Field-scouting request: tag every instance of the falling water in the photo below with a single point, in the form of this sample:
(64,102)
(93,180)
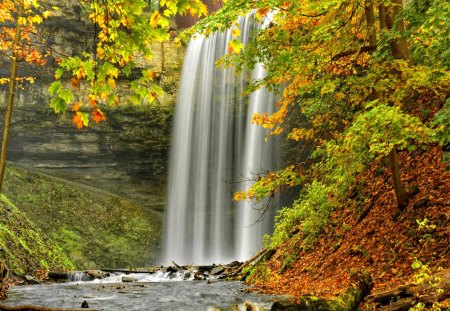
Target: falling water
(214,144)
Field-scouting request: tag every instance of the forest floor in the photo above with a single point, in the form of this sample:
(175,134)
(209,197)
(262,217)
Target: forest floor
(371,234)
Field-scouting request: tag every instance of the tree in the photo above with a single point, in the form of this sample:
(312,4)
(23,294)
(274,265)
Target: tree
(124,32)
(17,41)
(350,85)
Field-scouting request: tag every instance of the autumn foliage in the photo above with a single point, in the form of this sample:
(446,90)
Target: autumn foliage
(124,34)
(364,105)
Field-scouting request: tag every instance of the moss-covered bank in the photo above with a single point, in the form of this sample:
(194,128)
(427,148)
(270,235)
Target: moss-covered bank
(23,246)
(94,228)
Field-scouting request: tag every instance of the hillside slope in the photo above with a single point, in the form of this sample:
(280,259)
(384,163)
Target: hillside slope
(24,248)
(94,228)
(369,233)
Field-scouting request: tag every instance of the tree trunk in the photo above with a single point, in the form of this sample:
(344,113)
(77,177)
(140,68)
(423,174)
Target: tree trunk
(370,20)
(9,105)
(399,47)
(400,50)
(402,200)
(382,13)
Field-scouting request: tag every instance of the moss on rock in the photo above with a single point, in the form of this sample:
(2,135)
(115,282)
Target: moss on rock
(94,228)
(23,246)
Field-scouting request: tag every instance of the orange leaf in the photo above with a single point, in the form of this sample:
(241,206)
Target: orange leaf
(77,106)
(98,116)
(262,12)
(76,119)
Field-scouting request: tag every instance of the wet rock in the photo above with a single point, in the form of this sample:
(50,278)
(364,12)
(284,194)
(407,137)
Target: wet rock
(248,306)
(84,304)
(97,274)
(172,269)
(199,276)
(58,276)
(217,270)
(187,275)
(127,279)
(31,280)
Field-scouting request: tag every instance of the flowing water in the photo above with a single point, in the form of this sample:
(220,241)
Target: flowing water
(158,291)
(214,145)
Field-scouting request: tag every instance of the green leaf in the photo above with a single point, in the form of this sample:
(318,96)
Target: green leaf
(58,104)
(58,73)
(54,88)
(66,95)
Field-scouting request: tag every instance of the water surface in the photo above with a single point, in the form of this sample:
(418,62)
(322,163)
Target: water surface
(146,294)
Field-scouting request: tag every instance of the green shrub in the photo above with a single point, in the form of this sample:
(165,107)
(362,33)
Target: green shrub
(309,214)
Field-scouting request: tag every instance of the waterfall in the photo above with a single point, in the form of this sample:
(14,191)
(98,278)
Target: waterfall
(214,145)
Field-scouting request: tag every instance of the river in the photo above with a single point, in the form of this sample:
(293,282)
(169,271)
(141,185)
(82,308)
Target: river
(148,292)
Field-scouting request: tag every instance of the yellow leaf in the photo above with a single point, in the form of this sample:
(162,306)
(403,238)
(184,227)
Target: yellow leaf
(112,83)
(235,46)
(262,12)
(154,19)
(236,32)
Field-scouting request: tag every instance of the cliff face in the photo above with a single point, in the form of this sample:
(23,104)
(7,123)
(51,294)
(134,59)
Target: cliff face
(126,155)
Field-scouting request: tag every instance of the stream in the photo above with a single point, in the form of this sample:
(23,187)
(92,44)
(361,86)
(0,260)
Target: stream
(147,292)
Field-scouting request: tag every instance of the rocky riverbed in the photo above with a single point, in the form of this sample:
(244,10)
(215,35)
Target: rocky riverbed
(161,290)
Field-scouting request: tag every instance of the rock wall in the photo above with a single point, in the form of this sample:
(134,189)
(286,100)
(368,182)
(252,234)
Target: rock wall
(126,155)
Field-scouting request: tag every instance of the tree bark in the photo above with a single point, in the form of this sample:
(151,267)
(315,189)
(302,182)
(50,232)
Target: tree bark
(9,105)
(400,50)
(382,14)
(399,47)
(370,20)
(402,200)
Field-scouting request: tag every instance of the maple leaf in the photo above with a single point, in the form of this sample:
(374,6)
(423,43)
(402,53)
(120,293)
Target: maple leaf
(262,12)
(77,106)
(154,19)
(235,32)
(75,83)
(98,116)
(235,46)
(77,120)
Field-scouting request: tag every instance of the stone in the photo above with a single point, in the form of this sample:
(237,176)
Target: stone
(58,276)
(31,280)
(97,274)
(199,276)
(217,270)
(84,304)
(127,279)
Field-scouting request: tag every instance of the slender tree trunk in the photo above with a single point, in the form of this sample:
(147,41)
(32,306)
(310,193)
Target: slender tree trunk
(9,105)
(400,50)
(402,200)
(382,15)
(370,20)
(399,47)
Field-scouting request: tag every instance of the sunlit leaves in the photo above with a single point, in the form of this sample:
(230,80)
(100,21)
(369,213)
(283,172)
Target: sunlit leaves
(262,12)
(318,53)
(235,46)
(269,184)
(26,16)
(236,32)
(126,31)
(374,134)
(98,115)
(80,119)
